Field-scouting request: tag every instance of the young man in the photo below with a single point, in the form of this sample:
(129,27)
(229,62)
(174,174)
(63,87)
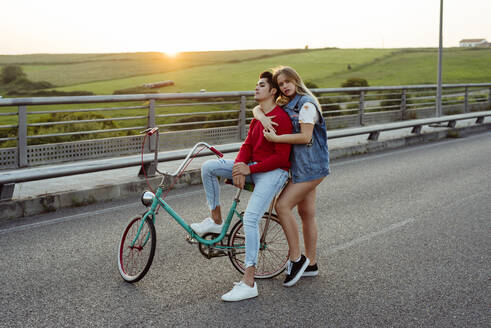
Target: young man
(259,161)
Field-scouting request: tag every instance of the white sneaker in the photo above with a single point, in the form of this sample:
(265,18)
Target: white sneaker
(207,225)
(241,291)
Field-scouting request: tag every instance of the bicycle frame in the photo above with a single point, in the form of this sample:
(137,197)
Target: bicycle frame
(157,200)
(133,263)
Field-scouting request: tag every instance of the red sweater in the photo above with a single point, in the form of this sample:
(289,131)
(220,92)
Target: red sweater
(268,155)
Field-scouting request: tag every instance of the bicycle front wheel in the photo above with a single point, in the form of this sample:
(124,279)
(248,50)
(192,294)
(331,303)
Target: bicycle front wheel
(136,249)
(273,251)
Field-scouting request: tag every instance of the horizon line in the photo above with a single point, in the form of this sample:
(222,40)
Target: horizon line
(225,50)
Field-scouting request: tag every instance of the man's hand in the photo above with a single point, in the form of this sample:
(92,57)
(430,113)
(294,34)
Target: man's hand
(239,181)
(241,168)
(239,172)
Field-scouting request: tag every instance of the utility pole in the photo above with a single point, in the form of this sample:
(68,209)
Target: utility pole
(439,86)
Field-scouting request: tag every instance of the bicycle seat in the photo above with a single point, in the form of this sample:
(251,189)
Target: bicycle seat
(247,186)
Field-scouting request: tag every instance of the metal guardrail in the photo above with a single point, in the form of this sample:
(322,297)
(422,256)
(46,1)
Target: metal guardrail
(185,118)
(9,179)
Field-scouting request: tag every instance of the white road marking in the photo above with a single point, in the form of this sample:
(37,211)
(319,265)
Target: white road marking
(367,237)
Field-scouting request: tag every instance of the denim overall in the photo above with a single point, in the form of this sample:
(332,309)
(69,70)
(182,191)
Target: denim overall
(311,161)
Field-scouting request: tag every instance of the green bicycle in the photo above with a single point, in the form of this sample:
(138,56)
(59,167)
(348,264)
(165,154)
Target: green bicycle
(138,241)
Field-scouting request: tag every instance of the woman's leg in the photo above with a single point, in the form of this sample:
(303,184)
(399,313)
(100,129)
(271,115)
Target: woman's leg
(293,194)
(306,210)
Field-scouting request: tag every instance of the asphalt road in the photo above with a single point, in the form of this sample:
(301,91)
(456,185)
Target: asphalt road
(404,242)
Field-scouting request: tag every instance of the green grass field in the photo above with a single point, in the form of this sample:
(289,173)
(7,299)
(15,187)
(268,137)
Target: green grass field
(420,67)
(238,70)
(72,69)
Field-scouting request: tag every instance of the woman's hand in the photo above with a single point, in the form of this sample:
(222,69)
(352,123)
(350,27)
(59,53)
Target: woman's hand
(266,121)
(270,135)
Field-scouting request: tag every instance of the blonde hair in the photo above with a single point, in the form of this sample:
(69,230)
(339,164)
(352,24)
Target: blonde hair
(300,87)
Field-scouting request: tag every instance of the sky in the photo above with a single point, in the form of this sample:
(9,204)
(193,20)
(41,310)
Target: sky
(102,26)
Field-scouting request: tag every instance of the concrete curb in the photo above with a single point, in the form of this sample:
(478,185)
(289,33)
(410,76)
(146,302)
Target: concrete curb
(51,202)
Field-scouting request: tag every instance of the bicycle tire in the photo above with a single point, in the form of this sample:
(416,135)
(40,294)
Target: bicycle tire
(134,262)
(273,254)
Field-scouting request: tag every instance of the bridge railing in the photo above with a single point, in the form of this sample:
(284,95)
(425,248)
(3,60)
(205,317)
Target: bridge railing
(36,131)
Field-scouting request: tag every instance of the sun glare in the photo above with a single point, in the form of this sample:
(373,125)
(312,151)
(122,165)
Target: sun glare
(171,53)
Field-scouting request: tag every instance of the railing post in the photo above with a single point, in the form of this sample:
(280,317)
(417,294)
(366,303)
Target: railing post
(149,169)
(22,137)
(466,99)
(403,104)
(489,97)
(242,118)
(362,106)
(151,124)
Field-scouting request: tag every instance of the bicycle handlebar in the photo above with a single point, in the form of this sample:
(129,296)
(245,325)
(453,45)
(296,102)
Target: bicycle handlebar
(150,131)
(213,149)
(216,151)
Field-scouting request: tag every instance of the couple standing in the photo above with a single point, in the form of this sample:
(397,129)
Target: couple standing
(292,137)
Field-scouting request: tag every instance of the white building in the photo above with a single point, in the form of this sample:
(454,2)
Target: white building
(474,43)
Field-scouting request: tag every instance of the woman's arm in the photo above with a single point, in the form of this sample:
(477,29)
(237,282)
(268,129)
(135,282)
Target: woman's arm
(266,121)
(304,137)
(308,117)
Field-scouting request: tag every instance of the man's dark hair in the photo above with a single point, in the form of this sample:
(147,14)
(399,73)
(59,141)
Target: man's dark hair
(269,78)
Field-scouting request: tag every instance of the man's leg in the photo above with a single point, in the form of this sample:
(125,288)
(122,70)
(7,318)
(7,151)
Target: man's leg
(267,185)
(210,170)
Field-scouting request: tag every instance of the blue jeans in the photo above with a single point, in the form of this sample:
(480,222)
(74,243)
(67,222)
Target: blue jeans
(267,185)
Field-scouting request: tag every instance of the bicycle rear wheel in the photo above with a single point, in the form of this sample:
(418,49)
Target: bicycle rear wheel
(273,252)
(135,261)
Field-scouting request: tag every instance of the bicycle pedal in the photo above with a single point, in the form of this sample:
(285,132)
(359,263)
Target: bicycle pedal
(191,240)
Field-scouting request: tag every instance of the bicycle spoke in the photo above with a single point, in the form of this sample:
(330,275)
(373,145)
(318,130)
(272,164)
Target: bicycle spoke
(278,234)
(136,250)
(273,251)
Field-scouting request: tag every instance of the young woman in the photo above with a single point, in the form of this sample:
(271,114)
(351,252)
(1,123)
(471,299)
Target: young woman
(309,166)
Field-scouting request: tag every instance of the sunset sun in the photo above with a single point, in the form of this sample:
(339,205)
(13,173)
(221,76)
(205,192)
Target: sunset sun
(170,53)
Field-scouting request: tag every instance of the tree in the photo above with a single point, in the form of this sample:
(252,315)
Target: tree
(311,85)
(355,82)
(11,73)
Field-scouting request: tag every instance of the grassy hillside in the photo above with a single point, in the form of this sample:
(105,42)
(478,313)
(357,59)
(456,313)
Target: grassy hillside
(327,68)
(242,75)
(71,69)
(237,70)
(420,67)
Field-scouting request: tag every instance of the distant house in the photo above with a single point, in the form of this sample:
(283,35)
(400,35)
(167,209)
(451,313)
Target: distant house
(474,43)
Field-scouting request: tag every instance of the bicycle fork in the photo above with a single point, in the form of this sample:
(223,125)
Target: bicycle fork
(140,227)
